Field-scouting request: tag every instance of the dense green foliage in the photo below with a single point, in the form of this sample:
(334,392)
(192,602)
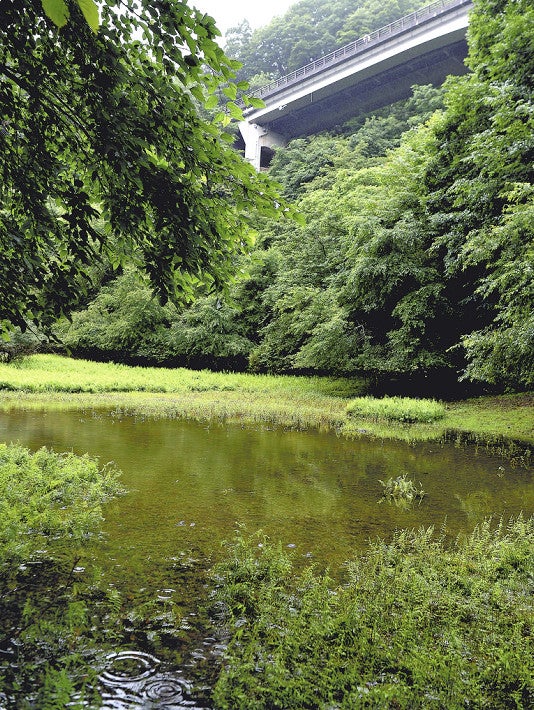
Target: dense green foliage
(481,196)
(415,261)
(108,159)
(420,262)
(58,12)
(419,624)
(50,505)
(125,322)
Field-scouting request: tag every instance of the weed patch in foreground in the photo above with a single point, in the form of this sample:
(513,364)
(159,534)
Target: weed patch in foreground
(46,497)
(419,624)
(399,409)
(50,507)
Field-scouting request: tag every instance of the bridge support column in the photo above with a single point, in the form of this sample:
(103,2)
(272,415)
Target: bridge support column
(260,143)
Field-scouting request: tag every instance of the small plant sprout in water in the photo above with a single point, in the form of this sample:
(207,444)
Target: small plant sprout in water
(401,491)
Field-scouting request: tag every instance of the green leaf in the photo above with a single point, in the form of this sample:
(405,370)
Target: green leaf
(235,111)
(211,102)
(256,103)
(197,92)
(90,12)
(230,91)
(57,11)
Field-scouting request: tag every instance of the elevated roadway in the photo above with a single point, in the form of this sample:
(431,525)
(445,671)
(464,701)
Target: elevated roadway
(374,71)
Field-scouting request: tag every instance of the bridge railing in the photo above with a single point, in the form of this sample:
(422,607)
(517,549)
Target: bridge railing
(361,44)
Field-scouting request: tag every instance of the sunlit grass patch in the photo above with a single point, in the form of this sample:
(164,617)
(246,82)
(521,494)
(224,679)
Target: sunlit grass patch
(53,373)
(400,409)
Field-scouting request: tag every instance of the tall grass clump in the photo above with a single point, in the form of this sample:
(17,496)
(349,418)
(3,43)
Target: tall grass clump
(419,624)
(400,409)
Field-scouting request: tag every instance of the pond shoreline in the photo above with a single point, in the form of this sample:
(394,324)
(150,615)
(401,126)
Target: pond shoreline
(232,416)
(502,423)
(514,446)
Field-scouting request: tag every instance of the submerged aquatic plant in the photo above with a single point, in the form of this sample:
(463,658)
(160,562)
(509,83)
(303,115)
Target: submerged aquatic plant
(402,491)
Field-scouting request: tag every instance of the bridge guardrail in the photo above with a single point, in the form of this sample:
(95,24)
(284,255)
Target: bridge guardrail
(361,44)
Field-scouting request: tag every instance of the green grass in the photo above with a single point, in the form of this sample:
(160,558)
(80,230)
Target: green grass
(53,373)
(419,624)
(53,382)
(398,409)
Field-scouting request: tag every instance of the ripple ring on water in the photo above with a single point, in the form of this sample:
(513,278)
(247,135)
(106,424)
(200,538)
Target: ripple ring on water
(127,667)
(164,689)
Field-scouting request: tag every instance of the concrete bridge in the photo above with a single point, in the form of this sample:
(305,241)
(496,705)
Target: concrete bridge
(374,71)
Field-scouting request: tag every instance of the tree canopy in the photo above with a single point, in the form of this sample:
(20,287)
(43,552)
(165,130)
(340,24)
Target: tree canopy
(308,30)
(108,158)
(416,259)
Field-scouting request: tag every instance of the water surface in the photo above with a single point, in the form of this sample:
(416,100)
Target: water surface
(189,486)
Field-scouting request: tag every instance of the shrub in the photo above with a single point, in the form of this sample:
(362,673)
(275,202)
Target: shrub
(21,345)
(419,624)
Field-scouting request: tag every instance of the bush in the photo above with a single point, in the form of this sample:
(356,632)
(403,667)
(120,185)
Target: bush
(21,345)
(401,409)
(419,624)
(50,503)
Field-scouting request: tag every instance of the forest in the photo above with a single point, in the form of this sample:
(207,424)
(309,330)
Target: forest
(409,253)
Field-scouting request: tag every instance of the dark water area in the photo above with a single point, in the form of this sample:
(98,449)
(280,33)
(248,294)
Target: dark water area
(189,486)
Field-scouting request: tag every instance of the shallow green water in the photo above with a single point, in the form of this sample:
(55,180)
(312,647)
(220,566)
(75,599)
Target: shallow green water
(191,484)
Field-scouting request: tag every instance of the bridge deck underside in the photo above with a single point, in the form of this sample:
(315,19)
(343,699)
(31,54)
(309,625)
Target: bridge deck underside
(373,93)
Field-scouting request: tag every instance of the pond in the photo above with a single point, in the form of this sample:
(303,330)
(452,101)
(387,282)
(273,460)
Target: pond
(189,486)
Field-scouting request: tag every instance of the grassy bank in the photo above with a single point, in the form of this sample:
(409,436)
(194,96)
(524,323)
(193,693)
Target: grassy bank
(53,382)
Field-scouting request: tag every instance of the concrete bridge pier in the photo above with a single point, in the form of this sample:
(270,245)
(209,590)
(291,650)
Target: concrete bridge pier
(260,143)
